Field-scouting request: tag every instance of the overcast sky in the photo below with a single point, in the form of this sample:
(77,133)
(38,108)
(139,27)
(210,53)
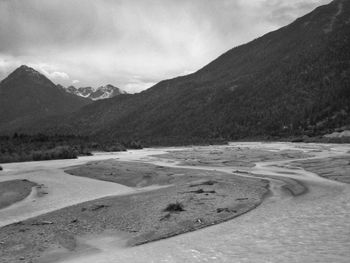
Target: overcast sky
(132,44)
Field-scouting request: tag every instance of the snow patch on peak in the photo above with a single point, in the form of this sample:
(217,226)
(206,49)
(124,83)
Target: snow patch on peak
(100,93)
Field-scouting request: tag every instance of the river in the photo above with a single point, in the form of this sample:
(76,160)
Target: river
(314,227)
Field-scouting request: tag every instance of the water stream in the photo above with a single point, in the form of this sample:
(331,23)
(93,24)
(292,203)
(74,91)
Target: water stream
(314,227)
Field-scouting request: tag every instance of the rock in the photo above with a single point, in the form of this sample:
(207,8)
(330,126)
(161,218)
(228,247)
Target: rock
(199,191)
(210,182)
(220,210)
(166,217)
(241,199)
(98,207)
(42,223)
(227,210)
(199,221)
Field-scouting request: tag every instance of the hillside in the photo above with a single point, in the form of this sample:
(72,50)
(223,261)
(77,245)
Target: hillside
(26,96)
(292,81)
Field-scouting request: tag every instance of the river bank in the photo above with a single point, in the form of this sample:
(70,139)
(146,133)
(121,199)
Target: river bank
(189,200)
(311,227)
(102,230)
(333,168)
(14,191)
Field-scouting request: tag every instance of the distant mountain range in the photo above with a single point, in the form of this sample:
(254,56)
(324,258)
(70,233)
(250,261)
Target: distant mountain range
(100,93)
(27,96)
(292,81)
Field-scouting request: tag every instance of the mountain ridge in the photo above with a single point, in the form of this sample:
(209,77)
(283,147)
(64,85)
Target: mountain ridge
(27,95)
(291,81)
(103,92)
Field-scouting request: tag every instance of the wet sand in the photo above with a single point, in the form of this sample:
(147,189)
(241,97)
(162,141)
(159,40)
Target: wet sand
(97,231)
(333,168)
(242,156)
(207,198)
(14,191)
(58,189)
(311,227)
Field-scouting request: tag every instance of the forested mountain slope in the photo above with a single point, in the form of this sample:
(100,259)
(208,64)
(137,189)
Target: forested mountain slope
(292,81)
(26,96)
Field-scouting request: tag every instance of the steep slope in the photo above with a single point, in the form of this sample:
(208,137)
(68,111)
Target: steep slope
(295,80)
(26,95)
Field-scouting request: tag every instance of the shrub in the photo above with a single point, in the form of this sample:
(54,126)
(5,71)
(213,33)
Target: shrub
(60,152)
(134,145)
(0,168)
(22,147)
(116,147)
(175,207)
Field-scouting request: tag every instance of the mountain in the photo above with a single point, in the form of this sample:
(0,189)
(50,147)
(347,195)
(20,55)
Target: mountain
(292,81)
(82,92)
(106,92)
(103,92)
(26,96)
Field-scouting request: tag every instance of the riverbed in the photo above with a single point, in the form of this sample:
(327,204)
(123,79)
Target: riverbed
(312,226)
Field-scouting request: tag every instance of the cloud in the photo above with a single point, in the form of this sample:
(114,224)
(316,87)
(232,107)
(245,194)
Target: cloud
(111,41)
(75,81)
(283,12)
(56,75)
(136,85)
(59,75)
(50,71)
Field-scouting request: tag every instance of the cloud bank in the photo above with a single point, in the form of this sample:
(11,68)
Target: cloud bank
(132,44)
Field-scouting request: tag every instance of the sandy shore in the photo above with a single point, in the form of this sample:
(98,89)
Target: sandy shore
(333,168)
(206,197)
(203,186)
(14,191)
(232,156)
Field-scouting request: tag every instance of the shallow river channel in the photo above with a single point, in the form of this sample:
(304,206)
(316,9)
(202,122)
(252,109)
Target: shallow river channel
(313,227)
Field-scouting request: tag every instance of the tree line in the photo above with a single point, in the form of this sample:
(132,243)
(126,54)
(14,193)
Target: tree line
(25,147)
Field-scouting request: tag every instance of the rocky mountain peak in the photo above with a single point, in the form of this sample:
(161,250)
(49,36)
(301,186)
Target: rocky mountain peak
(102,92)
(27,74)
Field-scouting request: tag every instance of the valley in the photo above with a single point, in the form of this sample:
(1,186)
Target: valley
(289,83)
(225,136)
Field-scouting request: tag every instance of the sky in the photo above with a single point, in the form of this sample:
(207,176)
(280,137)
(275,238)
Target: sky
(132,44)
